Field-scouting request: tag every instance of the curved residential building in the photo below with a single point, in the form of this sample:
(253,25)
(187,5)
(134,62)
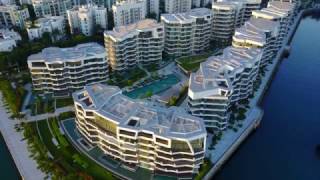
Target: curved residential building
(138,43)
(229,14)
(281,12)
(259,33)
(222,81)
(61,71)
(167,141)
(187,33)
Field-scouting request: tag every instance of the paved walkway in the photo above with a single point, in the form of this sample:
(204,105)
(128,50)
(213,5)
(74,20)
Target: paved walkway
(56,113)
(18,147)
(28,88)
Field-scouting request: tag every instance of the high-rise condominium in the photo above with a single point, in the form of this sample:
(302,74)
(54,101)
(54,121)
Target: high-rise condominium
(138,43)
(187,33)
(61,71)
(165,140)
(221,82)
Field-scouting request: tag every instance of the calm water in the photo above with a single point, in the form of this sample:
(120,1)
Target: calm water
(283,147)
(8,170)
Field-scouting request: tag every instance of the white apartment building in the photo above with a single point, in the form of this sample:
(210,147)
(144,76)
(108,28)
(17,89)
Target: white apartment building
(167,141)
(177,6)
(138,43)
(13,16)
(281,12)
(187,33)
(61,71)
(128,12)
(8,40)
(229,14)
(84,19)
(153,7)
(55,25)
(51,7)
(221,82)
(259,33)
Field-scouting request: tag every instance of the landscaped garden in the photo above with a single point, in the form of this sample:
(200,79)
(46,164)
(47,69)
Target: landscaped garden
(56,156)
(192,63)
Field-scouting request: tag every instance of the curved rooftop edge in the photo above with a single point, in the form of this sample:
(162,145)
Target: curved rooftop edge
(56,54)
(109,102)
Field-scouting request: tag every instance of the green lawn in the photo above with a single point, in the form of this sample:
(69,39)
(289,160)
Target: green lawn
(62,102)
(66,157)
(192,63)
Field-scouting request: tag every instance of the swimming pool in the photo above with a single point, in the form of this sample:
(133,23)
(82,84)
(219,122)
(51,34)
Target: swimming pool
(155,87)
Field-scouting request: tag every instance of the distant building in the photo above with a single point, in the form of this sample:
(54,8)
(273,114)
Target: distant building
(85,19)
(128,12)
(177,6)
(200,3)
(51,7)
(220,83)
(259,33)
(136,133)
(138,43)
(8,40)
(54,25)
(61,71)
(187,33)
(13,16)
(228,15)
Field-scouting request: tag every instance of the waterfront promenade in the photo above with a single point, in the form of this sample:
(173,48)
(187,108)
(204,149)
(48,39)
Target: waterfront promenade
(18,147)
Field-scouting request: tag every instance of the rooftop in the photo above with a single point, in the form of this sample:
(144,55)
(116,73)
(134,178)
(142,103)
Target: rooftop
(139,115)
(186,17)
(56,54)
(254,31)
(220,68)
(275,10)
(122,31)
(6,34)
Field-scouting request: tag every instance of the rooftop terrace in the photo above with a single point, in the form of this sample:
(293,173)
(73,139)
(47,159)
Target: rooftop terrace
(139,115)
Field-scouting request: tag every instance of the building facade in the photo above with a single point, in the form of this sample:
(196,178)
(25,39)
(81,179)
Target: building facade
(165,140)
(54,25)
(13,16)
(228,15)
(259,33)
(61,71)
(51,7)
(138,43)
(8,40)
(282,12)
(128,12)
(177,6)
(84,19)
(220,83)
(187,33)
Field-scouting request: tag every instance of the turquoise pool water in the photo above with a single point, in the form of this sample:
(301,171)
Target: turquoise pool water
(155,87)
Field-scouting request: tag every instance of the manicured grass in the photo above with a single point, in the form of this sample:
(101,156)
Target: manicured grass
(67,157)
(204,169)
(62,102)
(192,63)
